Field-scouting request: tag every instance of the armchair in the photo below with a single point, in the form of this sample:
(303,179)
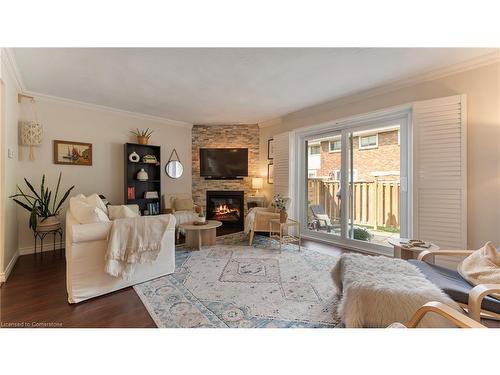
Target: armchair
(476,300)
(259,218)
(460,320)
(183,208)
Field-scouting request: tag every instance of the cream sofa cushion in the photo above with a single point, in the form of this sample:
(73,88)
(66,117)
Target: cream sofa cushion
(85,212)
(183,204)
(123,211)
(96,201)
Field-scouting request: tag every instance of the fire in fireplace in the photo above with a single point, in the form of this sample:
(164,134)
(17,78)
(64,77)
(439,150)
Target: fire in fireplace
(227,207)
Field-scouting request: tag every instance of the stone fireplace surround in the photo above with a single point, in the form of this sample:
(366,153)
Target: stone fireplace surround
(224,136)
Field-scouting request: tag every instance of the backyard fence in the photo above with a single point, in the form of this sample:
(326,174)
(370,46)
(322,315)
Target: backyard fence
(375,203)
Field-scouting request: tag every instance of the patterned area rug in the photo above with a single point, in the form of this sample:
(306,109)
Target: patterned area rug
(234,285)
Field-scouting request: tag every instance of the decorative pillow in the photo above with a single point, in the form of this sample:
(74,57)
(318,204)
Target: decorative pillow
(84,212)
(122,212)
(96,201)
(183,204)
(482,266)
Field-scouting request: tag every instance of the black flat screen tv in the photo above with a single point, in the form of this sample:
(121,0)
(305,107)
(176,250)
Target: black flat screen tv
(223,163)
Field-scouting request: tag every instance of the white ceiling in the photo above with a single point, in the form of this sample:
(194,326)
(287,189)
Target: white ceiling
(217,85)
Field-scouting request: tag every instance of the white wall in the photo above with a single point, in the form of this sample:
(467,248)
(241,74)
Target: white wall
(8,166)
(107,131)
(482,87)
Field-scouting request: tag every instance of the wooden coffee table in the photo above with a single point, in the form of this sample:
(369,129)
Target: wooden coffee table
(200,235)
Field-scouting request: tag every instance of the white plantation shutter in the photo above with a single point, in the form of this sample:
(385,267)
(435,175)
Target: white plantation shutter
(283,166)
(440,173)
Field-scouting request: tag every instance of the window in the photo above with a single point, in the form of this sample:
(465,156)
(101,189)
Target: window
(336,175)
(314,150)
(368,141)
(335,146)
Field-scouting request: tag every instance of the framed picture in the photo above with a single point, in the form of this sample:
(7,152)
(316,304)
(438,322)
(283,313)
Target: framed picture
(72,153)
(270,173)
(270,148)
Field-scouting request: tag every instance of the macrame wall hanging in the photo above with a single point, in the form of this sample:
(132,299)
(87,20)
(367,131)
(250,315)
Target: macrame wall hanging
(31,129)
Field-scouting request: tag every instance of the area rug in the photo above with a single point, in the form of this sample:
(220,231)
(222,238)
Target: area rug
(234,285)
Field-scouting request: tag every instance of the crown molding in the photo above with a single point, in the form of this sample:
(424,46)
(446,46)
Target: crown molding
(8,59)
(431,75)
(97,107)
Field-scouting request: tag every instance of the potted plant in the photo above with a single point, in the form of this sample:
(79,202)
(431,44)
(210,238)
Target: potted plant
(43,209)
(279,204)
(142,135)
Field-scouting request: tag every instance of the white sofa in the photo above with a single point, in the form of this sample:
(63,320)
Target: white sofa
(86,245)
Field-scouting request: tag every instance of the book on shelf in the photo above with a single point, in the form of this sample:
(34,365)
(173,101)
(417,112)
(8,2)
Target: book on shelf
(154,208)
(131,192)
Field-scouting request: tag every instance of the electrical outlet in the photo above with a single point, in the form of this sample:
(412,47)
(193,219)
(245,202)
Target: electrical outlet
(10,153)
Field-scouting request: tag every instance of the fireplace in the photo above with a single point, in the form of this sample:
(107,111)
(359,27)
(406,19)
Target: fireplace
(228,208)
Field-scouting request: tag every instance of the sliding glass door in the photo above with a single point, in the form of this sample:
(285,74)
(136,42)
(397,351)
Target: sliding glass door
(353,179)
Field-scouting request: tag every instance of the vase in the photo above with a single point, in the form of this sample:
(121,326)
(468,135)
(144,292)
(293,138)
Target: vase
(142,175)
(283,216)
(200,219)
(48,224)
(142,140)
(134,157)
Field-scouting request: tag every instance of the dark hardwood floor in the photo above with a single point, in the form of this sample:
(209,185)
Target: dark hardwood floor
(35,296)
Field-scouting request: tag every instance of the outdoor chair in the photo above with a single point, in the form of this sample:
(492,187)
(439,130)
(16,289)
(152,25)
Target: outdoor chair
(476,300)
(322,220)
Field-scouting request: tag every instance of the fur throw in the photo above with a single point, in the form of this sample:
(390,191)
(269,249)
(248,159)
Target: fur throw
(377,291)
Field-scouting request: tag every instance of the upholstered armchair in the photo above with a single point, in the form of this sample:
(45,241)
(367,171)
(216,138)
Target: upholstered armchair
(258,219)
(183,208)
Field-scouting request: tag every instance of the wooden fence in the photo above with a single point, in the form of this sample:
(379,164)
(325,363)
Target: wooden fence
(375,203)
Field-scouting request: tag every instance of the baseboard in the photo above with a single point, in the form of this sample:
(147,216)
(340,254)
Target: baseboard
(47,246)
(5,275)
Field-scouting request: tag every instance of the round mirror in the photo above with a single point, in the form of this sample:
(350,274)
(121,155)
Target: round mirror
(174,169)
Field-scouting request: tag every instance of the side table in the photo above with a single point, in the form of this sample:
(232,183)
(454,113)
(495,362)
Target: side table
(42,234)
(256,201)
(279,232)
(406,253)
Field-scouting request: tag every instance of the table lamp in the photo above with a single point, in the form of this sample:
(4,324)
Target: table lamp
(257,183)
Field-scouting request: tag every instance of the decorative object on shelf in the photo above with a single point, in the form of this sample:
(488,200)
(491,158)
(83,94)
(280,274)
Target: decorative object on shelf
(43,209)
(257,183)
(72,153)
(279,204)
(131,192)
(270,149)
(31,130)
(142,175)
(134,157)
(151,194)
(149,159)
(142,135)
(270,173)
(174,168)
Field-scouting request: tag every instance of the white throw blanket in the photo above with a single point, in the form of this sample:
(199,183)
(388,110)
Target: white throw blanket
(377,291)
(133,241)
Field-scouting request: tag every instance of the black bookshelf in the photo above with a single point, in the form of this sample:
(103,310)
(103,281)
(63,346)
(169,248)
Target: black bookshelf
(153,205)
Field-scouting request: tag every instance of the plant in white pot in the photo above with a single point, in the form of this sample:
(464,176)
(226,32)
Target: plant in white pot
(43,209)
(201,216)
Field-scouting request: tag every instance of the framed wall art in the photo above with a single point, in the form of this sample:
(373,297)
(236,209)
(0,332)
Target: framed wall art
(270,173)
(72,153)
(270,148)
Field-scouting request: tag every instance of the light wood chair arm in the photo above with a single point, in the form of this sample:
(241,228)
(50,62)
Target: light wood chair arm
(476,296)
(446,312)
(428,253)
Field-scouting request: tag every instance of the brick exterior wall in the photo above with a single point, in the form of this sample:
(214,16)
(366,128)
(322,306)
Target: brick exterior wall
(386,157)
(224,136)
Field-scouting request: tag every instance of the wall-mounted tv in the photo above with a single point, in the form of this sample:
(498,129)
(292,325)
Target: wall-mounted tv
(223,163)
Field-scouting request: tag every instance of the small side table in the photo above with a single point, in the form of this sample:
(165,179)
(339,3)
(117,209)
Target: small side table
(41,235)
(281,234)
(256,201)
(406,253)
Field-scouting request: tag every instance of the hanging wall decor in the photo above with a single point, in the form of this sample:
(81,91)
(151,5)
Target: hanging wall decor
(31,130)
(174,168)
